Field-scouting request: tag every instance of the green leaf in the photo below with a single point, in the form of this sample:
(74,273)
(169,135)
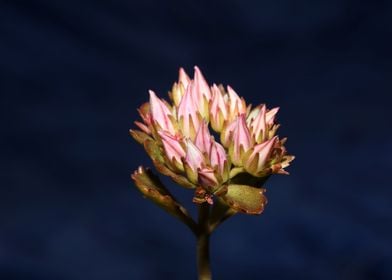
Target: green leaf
(152,188)
(149,184)
(245,199)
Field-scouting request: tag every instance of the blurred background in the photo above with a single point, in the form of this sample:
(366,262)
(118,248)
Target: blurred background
(72,74)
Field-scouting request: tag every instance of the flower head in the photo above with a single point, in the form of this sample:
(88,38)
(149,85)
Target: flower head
(178,138)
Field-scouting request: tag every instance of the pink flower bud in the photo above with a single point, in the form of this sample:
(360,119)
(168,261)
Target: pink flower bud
(237,105)
(161,114)
(259,156)
(203,138)
(241,141)
(207,178)
(176,93)
(258,125)
(179,88)
(172,147)
(183,78)
(218,156)
(194,158)
(270,116)
(201,85)
(188,115)
(218,110)
(227,133)
(201,94)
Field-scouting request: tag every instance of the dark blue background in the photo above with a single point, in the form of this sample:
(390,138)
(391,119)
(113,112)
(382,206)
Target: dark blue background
(72,74)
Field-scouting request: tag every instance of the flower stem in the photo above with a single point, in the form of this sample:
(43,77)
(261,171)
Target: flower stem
(203,260)
(203,242)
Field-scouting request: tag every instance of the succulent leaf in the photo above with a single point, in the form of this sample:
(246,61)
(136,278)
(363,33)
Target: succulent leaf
(245,199)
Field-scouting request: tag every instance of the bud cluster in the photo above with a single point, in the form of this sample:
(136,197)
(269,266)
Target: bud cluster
(178,139)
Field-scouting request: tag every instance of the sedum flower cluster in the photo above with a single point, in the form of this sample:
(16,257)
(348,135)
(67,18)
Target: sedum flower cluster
(208,139)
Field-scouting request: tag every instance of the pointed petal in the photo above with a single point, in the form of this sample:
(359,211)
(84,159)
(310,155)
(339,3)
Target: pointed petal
(218,156)
(234,99)
(218,110)
(194,158)
(252,115)
(172,146)
(188,113)
(270,116)
(262,152)
(203,138)
(236,104)
(241,139)
(258,125)
(207,178)
(177,93)
(241,133)
(227,133)
(183,78)
(201,84)
(143,127)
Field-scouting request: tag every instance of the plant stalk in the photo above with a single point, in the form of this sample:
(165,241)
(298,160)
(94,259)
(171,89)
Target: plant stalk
(203,243)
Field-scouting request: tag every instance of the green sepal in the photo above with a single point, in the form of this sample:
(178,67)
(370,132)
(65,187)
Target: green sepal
(192,175)
(153,150)
(235,171)
(245,199)
(144,110)
(139,136)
